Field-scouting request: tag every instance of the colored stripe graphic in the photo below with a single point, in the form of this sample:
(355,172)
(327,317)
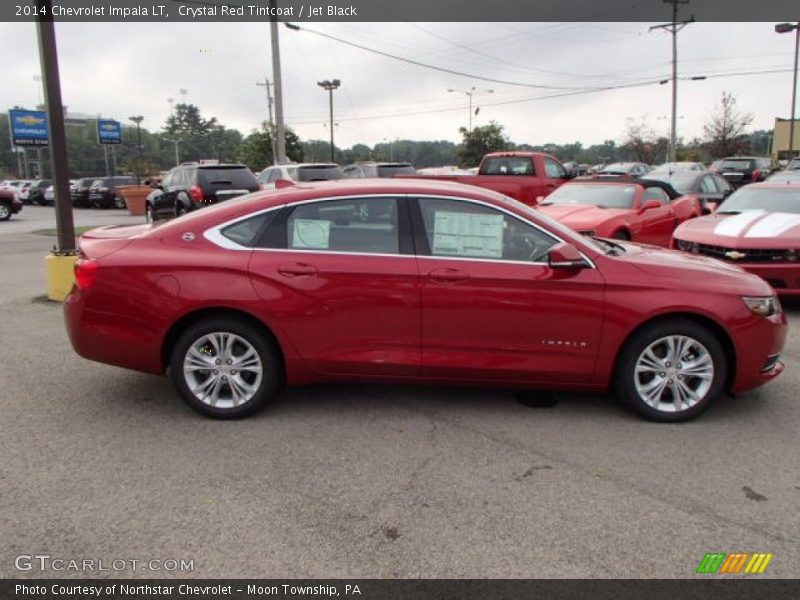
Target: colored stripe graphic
(722,563)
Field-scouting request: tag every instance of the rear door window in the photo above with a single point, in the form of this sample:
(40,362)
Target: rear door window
(362,225)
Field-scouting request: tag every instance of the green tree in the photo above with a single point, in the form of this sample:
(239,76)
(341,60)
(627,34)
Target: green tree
(641,143)
(480,141)
(256,149)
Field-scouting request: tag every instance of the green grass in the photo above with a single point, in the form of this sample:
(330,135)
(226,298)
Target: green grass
(54,232)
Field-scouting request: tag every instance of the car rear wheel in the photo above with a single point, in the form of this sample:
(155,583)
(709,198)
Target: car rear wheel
(178,210)
(119,202)
(224,368)
(5,211)
(149,213)
(671,370)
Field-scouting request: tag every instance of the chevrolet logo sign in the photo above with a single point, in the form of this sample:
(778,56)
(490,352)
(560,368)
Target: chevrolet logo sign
(735,254)
(29,120)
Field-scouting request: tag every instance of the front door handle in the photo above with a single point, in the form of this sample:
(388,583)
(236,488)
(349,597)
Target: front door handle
(297,270)
(447,275)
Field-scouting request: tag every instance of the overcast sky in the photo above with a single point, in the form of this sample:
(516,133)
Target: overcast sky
(123,69)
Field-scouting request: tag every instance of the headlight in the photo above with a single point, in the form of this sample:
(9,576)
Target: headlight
(763,306)
(686,245)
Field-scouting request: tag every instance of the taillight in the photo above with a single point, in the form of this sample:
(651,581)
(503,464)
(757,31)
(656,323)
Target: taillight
(196,193)
(756,175)
(85,272)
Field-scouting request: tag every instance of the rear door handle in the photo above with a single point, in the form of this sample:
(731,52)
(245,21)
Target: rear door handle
(297,270)
(447,275)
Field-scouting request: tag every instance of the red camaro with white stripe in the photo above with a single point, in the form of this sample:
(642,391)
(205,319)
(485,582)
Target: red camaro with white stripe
(756,228)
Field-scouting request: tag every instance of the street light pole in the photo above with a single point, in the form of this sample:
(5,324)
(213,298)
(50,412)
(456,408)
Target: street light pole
(138,120)
(469,93)
(786,28)
(330,85)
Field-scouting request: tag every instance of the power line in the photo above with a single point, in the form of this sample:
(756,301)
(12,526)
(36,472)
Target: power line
(428,66)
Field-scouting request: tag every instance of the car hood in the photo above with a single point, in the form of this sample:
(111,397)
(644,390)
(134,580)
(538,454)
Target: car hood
(749,229)
(682,269)
(582,216)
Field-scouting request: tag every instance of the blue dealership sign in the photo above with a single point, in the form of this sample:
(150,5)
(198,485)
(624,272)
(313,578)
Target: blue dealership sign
(109,131)
(28,127)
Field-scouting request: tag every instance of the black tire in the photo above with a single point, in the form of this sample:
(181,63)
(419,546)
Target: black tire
(671,377)
(178,209)
(621,235)
(264,387)
(119,202)
(150,213)
(5,211)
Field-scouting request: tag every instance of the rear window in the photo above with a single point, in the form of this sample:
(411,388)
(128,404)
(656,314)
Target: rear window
(321,173)
(392,170)
(227,177)
(507,165)
(736,164)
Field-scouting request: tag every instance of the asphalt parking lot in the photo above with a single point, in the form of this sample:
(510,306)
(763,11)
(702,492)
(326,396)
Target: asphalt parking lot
(369,481)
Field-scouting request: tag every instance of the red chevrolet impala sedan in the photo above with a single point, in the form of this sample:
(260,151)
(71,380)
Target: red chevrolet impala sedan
(414,281)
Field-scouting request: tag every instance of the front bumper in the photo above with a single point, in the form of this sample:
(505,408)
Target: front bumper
(758,345)
(783,277)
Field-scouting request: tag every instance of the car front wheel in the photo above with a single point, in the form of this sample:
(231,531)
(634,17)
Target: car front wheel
(224,368)
(671,371)
(119,202)
(5,211)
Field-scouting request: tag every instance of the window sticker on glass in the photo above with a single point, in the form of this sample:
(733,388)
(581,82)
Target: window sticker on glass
(464,234)
(311,233)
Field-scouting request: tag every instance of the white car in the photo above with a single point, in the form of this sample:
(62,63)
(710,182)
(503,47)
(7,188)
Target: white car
(299,172)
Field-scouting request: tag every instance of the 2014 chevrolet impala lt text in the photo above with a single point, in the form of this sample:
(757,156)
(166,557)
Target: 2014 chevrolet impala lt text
(415,281)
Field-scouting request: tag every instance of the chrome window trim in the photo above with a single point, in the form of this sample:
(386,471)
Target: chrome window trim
(214,234)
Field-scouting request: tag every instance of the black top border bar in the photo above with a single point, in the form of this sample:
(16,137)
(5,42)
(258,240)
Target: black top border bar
(406,11)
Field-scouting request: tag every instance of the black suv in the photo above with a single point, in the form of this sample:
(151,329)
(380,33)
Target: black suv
(103,191)
(192,186)
(740,170)
(80,193)
(37,189)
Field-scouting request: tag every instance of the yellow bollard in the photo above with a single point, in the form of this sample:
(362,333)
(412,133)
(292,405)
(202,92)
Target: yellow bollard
(60,275)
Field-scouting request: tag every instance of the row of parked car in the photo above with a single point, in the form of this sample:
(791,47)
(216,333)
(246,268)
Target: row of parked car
(97,192)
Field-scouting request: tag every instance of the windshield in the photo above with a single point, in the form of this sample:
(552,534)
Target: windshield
(762,199)
(321,173)
(600,195)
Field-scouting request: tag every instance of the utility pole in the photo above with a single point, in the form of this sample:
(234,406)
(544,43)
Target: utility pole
(280,133)
(674,27)
(267,84)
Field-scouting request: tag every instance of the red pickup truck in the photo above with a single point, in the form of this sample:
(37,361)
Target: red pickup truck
(526,176)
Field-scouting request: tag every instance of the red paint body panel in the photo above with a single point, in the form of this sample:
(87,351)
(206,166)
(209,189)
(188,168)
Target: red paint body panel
(340,317)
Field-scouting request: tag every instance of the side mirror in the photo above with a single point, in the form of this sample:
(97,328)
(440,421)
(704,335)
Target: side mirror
(649,205)
(565,256)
